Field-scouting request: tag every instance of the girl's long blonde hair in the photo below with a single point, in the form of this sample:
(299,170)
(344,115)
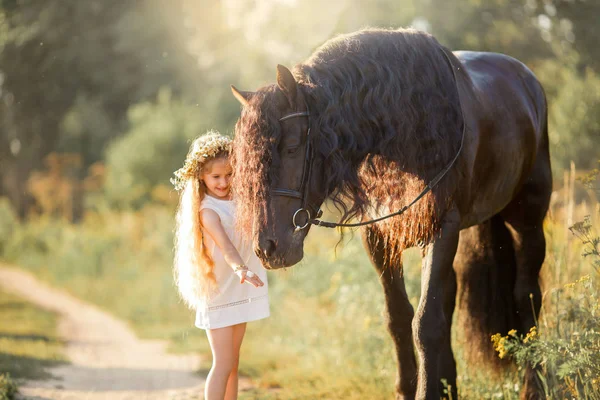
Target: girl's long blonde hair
(193,266)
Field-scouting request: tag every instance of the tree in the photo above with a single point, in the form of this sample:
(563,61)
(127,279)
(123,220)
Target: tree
(63,58)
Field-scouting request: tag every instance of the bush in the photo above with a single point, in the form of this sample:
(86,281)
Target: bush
(8,388)
(567,349)
(154,147)
(8,222)
(574,106)
(566,346)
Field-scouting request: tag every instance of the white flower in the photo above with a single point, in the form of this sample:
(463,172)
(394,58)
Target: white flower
(203,148)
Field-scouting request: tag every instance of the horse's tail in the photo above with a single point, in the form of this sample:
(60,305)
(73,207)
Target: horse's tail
(485,267)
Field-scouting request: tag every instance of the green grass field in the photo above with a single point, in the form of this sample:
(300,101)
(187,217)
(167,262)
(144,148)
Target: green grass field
(326,337)
(28,342)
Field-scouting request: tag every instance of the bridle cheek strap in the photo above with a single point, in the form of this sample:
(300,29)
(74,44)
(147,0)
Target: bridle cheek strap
(301,194)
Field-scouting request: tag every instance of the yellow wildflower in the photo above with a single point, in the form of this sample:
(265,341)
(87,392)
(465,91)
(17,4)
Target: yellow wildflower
(499,341)
(531,335)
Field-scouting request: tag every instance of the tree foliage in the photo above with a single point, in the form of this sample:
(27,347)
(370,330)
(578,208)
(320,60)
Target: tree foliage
(73,72)
(155,146)
(70,59)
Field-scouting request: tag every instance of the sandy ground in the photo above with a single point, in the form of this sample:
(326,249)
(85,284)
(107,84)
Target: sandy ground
(107,360)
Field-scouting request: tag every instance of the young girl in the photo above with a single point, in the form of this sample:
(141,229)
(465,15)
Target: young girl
(216,270)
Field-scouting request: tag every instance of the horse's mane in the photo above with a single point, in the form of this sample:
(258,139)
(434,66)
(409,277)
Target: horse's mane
(385,118)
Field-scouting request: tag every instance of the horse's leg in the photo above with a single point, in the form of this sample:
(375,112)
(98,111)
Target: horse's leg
(399,312)
(447,362)
(430,325)
(524,217)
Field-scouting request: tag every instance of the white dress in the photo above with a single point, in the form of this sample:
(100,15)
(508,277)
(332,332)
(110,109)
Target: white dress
(235,303)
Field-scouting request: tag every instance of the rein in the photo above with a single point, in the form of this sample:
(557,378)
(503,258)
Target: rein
(302,194)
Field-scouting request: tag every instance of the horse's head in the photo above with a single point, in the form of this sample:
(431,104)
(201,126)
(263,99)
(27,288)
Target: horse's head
(278,183)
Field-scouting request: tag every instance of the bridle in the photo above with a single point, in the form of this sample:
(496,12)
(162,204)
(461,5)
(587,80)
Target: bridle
(302,193)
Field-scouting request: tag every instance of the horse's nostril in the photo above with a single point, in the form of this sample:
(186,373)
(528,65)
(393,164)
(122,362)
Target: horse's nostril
(269,248)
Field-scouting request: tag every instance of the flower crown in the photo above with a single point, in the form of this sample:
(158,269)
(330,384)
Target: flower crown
(203,149)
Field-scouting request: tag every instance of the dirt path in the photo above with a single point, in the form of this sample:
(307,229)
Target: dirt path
(107,360)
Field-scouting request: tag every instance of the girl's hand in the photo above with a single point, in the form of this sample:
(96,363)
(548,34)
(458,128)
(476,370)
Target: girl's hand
(246,275)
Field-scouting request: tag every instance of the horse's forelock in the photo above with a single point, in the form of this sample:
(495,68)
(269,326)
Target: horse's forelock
(257,133)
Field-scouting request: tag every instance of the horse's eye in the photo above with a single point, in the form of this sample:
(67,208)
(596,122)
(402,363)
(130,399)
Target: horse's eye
(291,150)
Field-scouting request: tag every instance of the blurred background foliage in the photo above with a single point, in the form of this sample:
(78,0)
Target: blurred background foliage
(99,78)
(99,100)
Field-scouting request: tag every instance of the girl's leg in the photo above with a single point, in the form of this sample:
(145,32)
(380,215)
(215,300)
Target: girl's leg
(221,345)
(232,384)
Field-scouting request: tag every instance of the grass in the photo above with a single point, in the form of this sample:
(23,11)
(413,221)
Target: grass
(326,337)
(29,344)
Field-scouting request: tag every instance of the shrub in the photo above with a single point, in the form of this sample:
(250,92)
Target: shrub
(154,147)
(574,106)
(566,346)
(8,222)
(8,388)
(566,350)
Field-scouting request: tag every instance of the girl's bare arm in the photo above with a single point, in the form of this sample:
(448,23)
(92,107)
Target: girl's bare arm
(212,225)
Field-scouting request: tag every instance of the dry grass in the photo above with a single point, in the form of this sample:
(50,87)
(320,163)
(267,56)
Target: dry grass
(326,337)
(28,342)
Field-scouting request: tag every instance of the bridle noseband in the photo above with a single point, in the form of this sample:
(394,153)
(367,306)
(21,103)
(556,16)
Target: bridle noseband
(302,194)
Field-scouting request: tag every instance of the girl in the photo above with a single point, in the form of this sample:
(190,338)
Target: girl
(216,270)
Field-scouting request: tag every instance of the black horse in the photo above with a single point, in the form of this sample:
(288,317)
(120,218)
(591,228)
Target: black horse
(376,119)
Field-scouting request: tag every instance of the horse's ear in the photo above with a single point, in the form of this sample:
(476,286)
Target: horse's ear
(287,84)
(242,96)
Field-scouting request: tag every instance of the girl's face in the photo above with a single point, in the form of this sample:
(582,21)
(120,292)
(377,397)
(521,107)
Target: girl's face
(217,176)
